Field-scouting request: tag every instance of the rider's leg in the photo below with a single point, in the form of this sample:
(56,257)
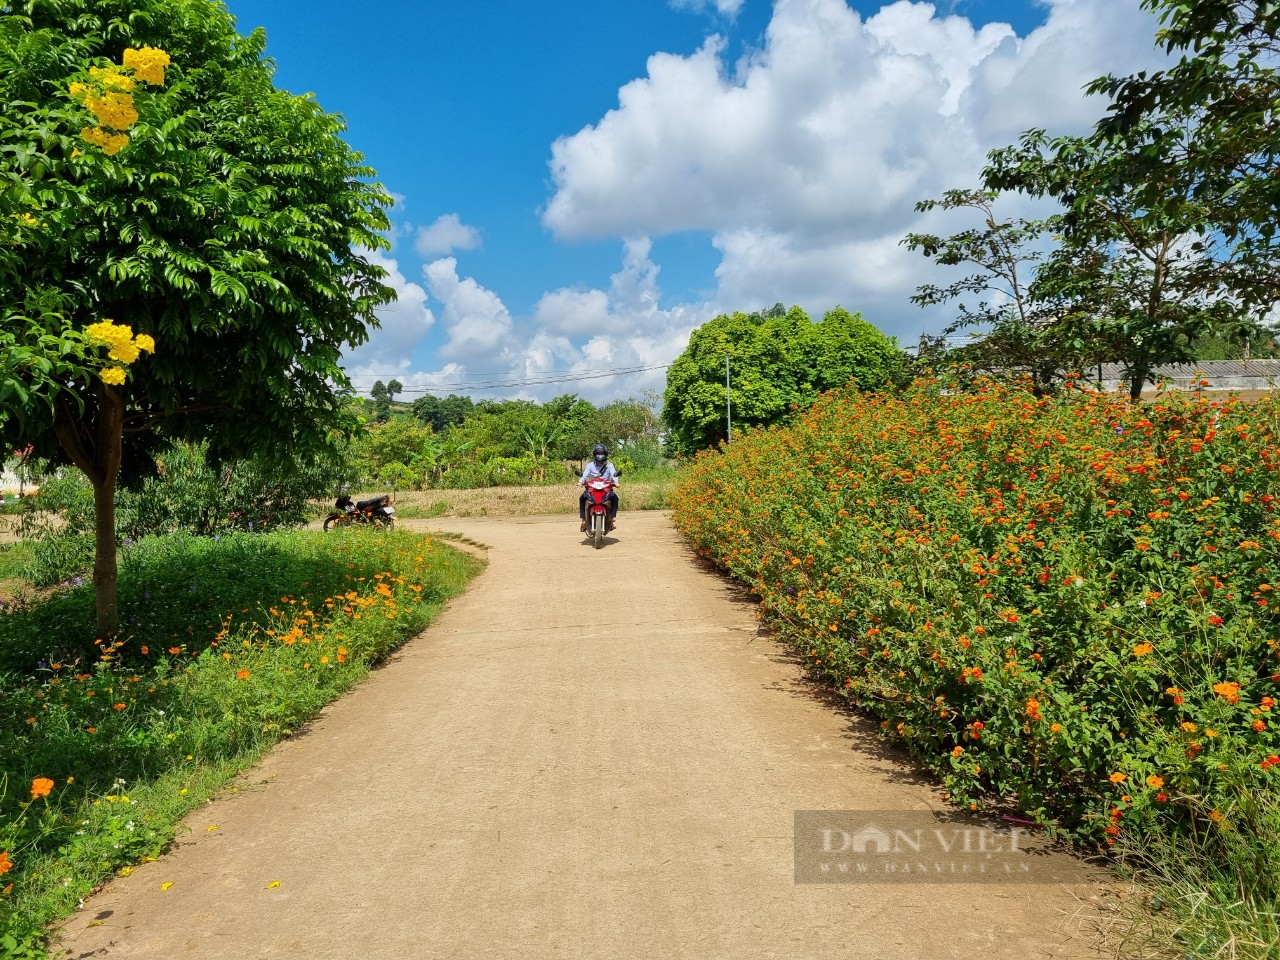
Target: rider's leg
(582,511)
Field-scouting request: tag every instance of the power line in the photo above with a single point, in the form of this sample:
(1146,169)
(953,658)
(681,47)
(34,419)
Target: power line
(514,383)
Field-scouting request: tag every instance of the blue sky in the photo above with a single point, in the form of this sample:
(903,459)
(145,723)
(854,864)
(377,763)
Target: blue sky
(581,183)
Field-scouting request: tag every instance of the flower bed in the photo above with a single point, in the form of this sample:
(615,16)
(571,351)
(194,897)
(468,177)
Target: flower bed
(1067,601)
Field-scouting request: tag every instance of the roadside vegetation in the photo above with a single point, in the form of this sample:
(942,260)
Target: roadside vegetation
(228,644)
(1065,601)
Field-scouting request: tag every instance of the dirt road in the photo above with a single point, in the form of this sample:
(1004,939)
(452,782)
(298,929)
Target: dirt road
(591,754)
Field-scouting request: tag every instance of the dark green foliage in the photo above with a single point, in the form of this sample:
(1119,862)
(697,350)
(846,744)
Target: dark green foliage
(442,412)
(779,361)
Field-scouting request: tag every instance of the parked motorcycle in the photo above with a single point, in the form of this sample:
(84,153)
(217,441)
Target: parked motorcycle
(377,511)
(598,520)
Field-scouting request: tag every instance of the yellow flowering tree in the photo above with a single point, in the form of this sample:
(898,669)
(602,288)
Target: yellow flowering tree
(165,182)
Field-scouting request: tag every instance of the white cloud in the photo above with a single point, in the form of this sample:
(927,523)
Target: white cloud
(478,323)
(805,159)
(572,332)
(726,8)
(445,236)
(404,323)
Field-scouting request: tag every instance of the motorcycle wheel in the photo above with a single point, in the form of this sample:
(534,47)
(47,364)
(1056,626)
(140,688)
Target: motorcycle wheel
(597,530)
(331,522)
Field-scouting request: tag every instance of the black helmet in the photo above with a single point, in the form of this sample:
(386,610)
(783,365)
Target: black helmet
(600,454)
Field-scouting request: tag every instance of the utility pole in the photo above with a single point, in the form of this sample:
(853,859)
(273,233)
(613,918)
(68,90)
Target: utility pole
(728,403)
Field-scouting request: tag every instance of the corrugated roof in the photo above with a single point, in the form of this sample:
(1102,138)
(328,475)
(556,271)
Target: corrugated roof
(1207,369)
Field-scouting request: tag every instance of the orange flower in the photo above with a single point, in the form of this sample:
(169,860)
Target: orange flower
(118,707)
(1142,649)
(1118,777)
(1154,782)
(5,863)
(242,674)
(1229,691)
(41,787)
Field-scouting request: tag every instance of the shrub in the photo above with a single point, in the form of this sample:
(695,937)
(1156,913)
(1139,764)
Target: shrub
(1069,601)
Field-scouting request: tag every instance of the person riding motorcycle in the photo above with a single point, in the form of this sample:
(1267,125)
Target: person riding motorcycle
(598,467)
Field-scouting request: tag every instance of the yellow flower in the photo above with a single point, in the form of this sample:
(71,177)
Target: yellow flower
(109,333)
(1154,782)
(114,110)
(115,144)
(78,89)
(143,341)
(1117,777)
(1188,727)
(1216,815)
(125,352)
(147,63)
(113,375)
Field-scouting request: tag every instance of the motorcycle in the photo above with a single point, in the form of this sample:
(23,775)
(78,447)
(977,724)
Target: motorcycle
(598,520)
(376,511)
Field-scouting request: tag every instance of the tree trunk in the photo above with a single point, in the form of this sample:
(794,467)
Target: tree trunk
(1137,380)
(104,558)
(97,454)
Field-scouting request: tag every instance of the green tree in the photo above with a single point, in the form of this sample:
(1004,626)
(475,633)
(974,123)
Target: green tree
(381,402)
(229,227)
(394,387)
(1204,130)
(1169,228)
(1012,331)
(1124,278)
(442,412)
(778,361)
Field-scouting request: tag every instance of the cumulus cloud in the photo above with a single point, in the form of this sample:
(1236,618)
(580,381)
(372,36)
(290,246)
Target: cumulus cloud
(577,333)
(403,325)
(477,321)
(804,160)
(445,236)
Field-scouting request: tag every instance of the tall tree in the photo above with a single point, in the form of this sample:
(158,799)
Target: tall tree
(1168,230)
(1012,331)
(226,221)
(381,402)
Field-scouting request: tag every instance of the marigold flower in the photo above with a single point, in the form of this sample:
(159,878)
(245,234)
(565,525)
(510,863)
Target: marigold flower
(1155,782)
(112,375)
(1142,649)
(1118,777)
(5,863)
(41,787)
(242,674)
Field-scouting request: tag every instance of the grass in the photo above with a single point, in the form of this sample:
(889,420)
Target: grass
(228,646)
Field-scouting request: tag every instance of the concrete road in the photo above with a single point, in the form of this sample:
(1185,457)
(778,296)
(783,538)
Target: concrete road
(591,754)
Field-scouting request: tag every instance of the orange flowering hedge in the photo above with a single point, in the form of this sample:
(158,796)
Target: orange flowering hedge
(1069,601)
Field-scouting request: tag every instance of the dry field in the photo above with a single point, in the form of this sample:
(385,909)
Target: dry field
(516,501)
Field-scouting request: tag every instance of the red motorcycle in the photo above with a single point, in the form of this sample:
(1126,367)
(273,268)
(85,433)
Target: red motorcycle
(598,520)
(377,511)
